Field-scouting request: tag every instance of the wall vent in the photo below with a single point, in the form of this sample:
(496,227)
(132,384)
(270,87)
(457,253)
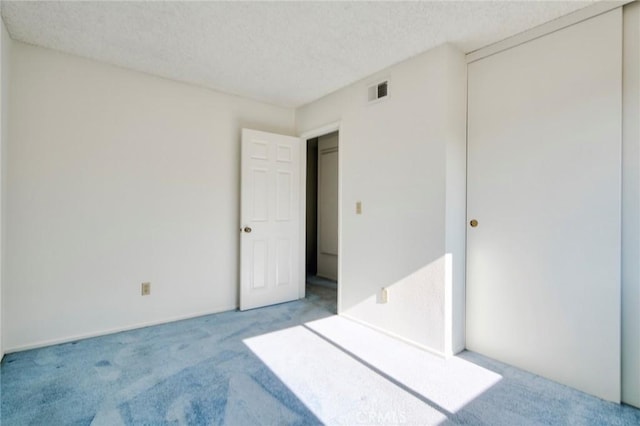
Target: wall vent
(378,91)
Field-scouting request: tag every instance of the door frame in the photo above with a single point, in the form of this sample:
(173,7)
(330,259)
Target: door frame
(305,136)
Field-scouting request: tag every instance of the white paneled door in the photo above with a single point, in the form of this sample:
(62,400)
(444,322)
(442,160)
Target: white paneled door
(269,219)
(328,206)
(543,236)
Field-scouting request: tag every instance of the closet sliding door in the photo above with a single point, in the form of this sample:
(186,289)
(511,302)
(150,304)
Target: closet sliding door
(544,166)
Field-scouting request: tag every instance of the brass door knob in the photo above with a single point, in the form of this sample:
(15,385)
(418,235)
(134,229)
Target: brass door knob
(247,229)
(473,223)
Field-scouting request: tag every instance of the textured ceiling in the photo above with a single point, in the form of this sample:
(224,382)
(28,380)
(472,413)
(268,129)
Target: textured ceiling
(284,53)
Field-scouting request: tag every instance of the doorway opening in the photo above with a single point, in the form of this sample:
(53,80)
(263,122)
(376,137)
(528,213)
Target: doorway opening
(321,266)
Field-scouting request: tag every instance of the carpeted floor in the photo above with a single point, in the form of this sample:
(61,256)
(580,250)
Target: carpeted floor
(294,363)
(315,280)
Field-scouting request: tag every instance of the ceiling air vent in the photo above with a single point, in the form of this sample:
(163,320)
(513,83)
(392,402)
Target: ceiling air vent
(378,91)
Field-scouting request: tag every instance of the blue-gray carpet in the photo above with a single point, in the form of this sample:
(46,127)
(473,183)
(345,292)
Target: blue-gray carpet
(294,363)
(320,281)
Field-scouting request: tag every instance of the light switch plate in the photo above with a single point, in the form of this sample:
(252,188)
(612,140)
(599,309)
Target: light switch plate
(358,207)
(145,289)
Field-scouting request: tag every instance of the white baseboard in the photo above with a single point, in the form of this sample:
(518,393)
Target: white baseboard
(76,337)
(403,339)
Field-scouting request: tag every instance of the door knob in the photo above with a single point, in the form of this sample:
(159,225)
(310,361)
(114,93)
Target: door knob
(473,223)
(247,229)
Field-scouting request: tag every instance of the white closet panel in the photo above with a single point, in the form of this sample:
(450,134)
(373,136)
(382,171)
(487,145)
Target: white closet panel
(544,166)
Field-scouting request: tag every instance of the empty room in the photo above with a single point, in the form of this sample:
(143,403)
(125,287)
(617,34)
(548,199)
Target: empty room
(341,213)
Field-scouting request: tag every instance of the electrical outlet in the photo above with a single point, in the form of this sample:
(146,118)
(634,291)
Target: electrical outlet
(382,296)
(146,289)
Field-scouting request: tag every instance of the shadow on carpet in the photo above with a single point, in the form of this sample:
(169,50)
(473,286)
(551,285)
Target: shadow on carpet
(291,364)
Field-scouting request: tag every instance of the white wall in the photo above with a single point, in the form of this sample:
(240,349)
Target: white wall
(455,135)
(6,44)
(116,178)
(631,207)
(399,156)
